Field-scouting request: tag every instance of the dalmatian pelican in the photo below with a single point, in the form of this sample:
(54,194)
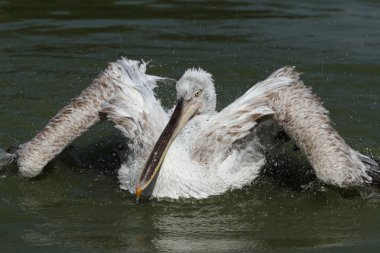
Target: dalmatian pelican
(192,150)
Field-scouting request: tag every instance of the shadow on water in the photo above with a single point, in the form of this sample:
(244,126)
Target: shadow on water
(103,156)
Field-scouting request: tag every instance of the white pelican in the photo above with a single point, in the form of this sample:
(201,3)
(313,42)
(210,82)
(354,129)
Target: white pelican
(192,150)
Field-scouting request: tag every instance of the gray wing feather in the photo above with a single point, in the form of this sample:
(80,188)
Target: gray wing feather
(238,119)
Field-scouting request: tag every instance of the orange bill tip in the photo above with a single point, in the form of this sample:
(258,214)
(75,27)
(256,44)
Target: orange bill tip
(138,193)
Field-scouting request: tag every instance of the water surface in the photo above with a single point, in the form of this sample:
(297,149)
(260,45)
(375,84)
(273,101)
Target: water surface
(50,51)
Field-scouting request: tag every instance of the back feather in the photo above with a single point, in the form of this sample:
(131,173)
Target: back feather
(134,108)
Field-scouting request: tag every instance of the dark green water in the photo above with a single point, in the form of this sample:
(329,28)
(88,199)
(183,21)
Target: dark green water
(49,51)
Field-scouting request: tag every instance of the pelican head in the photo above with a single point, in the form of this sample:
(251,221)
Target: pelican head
(197,86)
(195,95)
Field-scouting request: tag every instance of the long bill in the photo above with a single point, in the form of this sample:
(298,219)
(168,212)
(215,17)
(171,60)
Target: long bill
(182,113)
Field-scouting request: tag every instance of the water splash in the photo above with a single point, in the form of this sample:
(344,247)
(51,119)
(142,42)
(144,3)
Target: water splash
(6,158)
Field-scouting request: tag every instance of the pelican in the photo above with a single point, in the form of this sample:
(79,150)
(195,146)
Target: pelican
(193,151)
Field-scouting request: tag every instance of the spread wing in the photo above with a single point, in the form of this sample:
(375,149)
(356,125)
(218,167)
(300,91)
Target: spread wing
(238,119)
(123,91)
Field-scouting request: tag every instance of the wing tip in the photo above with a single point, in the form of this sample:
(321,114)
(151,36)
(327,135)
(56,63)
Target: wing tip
(373,170)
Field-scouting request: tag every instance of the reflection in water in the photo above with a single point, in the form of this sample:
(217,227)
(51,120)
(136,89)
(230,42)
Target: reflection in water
(282,226)
(51,50)
(89,212)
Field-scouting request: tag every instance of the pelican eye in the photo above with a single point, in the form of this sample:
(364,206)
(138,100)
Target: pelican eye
(198,93)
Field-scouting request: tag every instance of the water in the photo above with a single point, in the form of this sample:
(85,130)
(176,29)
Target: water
(50,51)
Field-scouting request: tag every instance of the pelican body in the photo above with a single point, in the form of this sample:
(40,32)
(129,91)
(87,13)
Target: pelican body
(192,150)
